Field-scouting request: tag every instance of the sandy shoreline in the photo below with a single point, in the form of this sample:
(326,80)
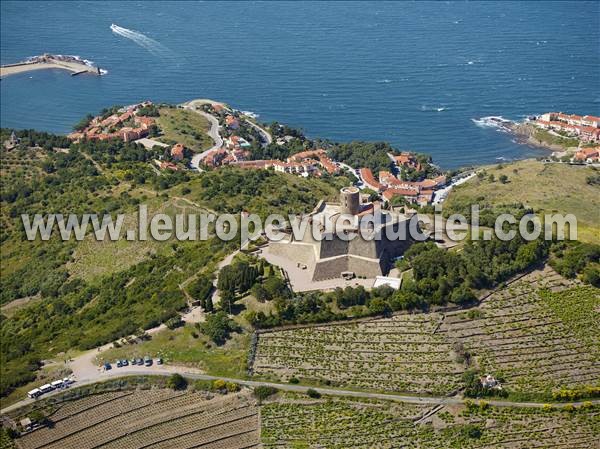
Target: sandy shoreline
(73,67)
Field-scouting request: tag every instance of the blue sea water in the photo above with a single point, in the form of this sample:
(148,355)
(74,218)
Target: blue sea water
(415,74)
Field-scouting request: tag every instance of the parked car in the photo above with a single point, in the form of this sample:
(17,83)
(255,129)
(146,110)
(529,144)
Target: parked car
(133,362)
(124,362)
(107,366)
(140,362)
(119,364)
(147,361)
(159,361)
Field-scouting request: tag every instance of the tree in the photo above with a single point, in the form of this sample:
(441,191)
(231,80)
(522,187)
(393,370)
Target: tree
(503,179)
(472,431)
(201,289)
(591,275)
(177,382)
(313,393)
(260,292)
(227,301)
(232,387)
(378,306)
(39,417)
(463,295)
(174,322)
(262,392)
(83,123)
(218,327)
(275,287)
(208,306)
(219,385)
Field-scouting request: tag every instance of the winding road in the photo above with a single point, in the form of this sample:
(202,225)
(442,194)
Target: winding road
(194,105)
(213,132)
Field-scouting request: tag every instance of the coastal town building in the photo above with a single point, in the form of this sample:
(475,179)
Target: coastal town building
(408,160)
(125,125)
(319,157)
(236,143)
(215,158)
(586,128)
(369,180)
(589,155)
(178,152)
(232,122)
(420,192)
(166,165)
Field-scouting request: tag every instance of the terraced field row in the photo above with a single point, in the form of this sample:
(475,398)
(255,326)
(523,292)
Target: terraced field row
(151,419)
(352,424)
(520,338)
(519,333)
(402,353)
(72,408)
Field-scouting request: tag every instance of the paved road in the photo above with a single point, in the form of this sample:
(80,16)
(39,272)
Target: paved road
(361,182)
(167,371)
(213,132)
(268,139)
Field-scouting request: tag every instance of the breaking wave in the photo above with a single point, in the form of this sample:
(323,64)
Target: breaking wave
(491,122)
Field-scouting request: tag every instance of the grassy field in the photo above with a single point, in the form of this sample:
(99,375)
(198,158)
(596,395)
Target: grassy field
(93,259)
(547,188)
(186,127)
(187,346)
(544,136)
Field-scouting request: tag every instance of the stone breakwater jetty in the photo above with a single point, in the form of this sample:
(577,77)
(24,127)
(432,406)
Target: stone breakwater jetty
(73,64)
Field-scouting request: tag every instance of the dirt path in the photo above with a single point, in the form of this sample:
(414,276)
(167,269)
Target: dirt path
(227,261)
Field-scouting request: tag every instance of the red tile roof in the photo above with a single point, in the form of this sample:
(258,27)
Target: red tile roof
(367,175)
(391,193)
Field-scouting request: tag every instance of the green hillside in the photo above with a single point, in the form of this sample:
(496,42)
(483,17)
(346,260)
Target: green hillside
(546,188)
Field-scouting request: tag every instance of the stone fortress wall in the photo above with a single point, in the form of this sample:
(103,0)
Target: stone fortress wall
(328,258)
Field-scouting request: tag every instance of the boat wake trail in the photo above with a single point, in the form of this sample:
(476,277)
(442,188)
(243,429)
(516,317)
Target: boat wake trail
(154,47)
